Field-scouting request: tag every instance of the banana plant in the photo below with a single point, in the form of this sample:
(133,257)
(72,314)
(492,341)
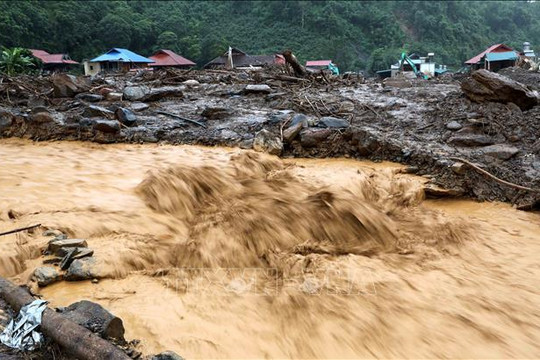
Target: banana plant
(15,61)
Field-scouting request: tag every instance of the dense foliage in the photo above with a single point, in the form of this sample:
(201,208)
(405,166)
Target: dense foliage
(356,35)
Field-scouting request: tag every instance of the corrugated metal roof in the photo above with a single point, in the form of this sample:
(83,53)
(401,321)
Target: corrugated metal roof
(501,56)
(318,63)
(121,55)
(47,58)
(493,48)
(169,58)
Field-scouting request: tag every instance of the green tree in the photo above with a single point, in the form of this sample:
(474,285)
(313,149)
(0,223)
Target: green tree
(167,40)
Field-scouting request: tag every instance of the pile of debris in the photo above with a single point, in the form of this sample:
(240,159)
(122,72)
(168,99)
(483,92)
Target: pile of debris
(292,113)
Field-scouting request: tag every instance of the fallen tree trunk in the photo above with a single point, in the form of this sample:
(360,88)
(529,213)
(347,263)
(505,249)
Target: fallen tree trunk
(74,339)
(299,70)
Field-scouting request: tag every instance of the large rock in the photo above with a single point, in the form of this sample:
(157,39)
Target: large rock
(73,254)
(65,85)
(470,140)
(267,142)
(332,122)
(143,93)
(312,137)
(484,85)
(46,275)
(97,111)
(95,318)
(292,131)
(500,151)
(135,92)
(107,126)
(82,269)
(125,116)
(55,245)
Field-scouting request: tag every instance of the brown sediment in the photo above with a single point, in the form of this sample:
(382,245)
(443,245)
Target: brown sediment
(220,253)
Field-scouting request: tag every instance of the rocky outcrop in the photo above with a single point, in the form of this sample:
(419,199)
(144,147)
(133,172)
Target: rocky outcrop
(484,85)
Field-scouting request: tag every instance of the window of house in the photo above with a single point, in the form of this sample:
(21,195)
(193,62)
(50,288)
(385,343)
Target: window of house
(91,67)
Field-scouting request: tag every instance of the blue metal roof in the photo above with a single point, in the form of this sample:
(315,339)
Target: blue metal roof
(121,55)
(502,56)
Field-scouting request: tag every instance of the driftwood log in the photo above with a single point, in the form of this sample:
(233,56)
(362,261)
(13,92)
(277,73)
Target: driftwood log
(74,339)
(299,70)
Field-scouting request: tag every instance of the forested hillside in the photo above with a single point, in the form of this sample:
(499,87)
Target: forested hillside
(356,35)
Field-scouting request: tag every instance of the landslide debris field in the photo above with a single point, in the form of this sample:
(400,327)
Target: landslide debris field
(233,252)
(228,253)
(425,124)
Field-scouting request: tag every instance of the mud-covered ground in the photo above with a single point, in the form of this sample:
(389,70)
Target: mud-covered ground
(421,123)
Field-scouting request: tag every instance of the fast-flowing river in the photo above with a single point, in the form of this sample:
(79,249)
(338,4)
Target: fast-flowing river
(223,253)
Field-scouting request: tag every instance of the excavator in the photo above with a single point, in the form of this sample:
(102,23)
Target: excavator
(405,58)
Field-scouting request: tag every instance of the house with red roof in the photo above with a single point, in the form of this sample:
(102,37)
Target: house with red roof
(494,58)
(322,64)
(53,62)
(168,58)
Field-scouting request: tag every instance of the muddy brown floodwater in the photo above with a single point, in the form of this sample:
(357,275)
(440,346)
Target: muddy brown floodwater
(223,253)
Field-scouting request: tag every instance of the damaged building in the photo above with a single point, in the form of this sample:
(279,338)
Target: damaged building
(238,59)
